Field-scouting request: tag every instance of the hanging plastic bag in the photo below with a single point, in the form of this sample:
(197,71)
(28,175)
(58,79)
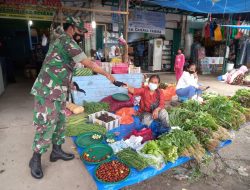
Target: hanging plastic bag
(44,40)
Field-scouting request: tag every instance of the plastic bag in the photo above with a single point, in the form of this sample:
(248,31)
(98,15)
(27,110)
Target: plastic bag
(126,115)
(118,146)
(158,129)
(169,92)
(134,142)
(145,133)
(156,162)
(44,40)
(137,100)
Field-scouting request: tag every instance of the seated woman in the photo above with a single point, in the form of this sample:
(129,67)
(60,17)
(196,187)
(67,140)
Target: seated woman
(187,85)
(152,105)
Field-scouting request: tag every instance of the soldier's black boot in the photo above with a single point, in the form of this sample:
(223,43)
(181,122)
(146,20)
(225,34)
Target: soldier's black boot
(36,166)
(57,153)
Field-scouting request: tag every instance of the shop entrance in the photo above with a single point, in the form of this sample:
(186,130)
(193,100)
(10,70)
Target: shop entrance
(21,50)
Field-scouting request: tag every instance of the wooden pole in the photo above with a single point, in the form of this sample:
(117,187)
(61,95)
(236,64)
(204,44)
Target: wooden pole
(126,21)
(61,16)
(126,32)
(224,66)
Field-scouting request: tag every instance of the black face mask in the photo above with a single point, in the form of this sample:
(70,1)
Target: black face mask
(79,39)
(191,72)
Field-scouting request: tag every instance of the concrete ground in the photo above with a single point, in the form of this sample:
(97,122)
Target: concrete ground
(16,135)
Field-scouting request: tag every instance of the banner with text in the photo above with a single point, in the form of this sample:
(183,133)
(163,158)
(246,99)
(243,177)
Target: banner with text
(32,13)
(146,22)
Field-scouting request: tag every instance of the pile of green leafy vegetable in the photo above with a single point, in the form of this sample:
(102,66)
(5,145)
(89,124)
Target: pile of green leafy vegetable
(192,105)
(242,96)
(244,110)
(93,107)
(179,138)
(201,119)
(178,116)
(186,142)
(77,125)
(203,125)
(132,159)
(161,148)
(169,150)
(208,95)
(224,112)
(152,148)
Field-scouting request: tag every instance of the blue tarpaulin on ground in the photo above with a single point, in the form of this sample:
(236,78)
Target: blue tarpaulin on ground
(207,6)
(135,176)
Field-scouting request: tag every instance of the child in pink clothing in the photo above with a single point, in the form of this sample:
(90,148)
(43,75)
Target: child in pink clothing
(179,64)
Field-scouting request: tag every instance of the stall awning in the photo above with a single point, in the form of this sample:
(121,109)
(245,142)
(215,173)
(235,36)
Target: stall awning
(207,6)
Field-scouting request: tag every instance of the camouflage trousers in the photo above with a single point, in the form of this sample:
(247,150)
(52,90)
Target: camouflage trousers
(49,121)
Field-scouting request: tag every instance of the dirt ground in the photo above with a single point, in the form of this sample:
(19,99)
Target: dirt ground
(229,171)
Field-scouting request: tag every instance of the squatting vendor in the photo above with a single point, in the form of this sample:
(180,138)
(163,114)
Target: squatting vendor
(152,104)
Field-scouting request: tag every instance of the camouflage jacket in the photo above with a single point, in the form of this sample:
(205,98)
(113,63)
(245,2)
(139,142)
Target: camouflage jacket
(54,79)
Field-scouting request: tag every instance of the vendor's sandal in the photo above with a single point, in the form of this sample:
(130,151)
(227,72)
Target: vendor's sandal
(36,166)
(58,154)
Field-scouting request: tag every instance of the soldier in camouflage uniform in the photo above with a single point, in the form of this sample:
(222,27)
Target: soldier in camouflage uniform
(51,90)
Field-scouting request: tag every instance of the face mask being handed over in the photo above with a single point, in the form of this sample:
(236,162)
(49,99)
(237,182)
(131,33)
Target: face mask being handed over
(152,86)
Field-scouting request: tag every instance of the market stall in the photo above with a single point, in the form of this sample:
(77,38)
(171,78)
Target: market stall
(216,48)
(149,47)
(110,144)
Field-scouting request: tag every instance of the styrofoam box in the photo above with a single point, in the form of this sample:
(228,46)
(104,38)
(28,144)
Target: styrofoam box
(110,125)
(134,70)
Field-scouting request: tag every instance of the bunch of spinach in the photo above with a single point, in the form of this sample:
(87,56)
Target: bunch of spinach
(93,107)
(224,112)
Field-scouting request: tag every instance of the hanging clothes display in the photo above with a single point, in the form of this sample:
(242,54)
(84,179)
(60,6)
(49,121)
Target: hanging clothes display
(212,31)
(217,33)
(207,30)
(234,32)
(239,33)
